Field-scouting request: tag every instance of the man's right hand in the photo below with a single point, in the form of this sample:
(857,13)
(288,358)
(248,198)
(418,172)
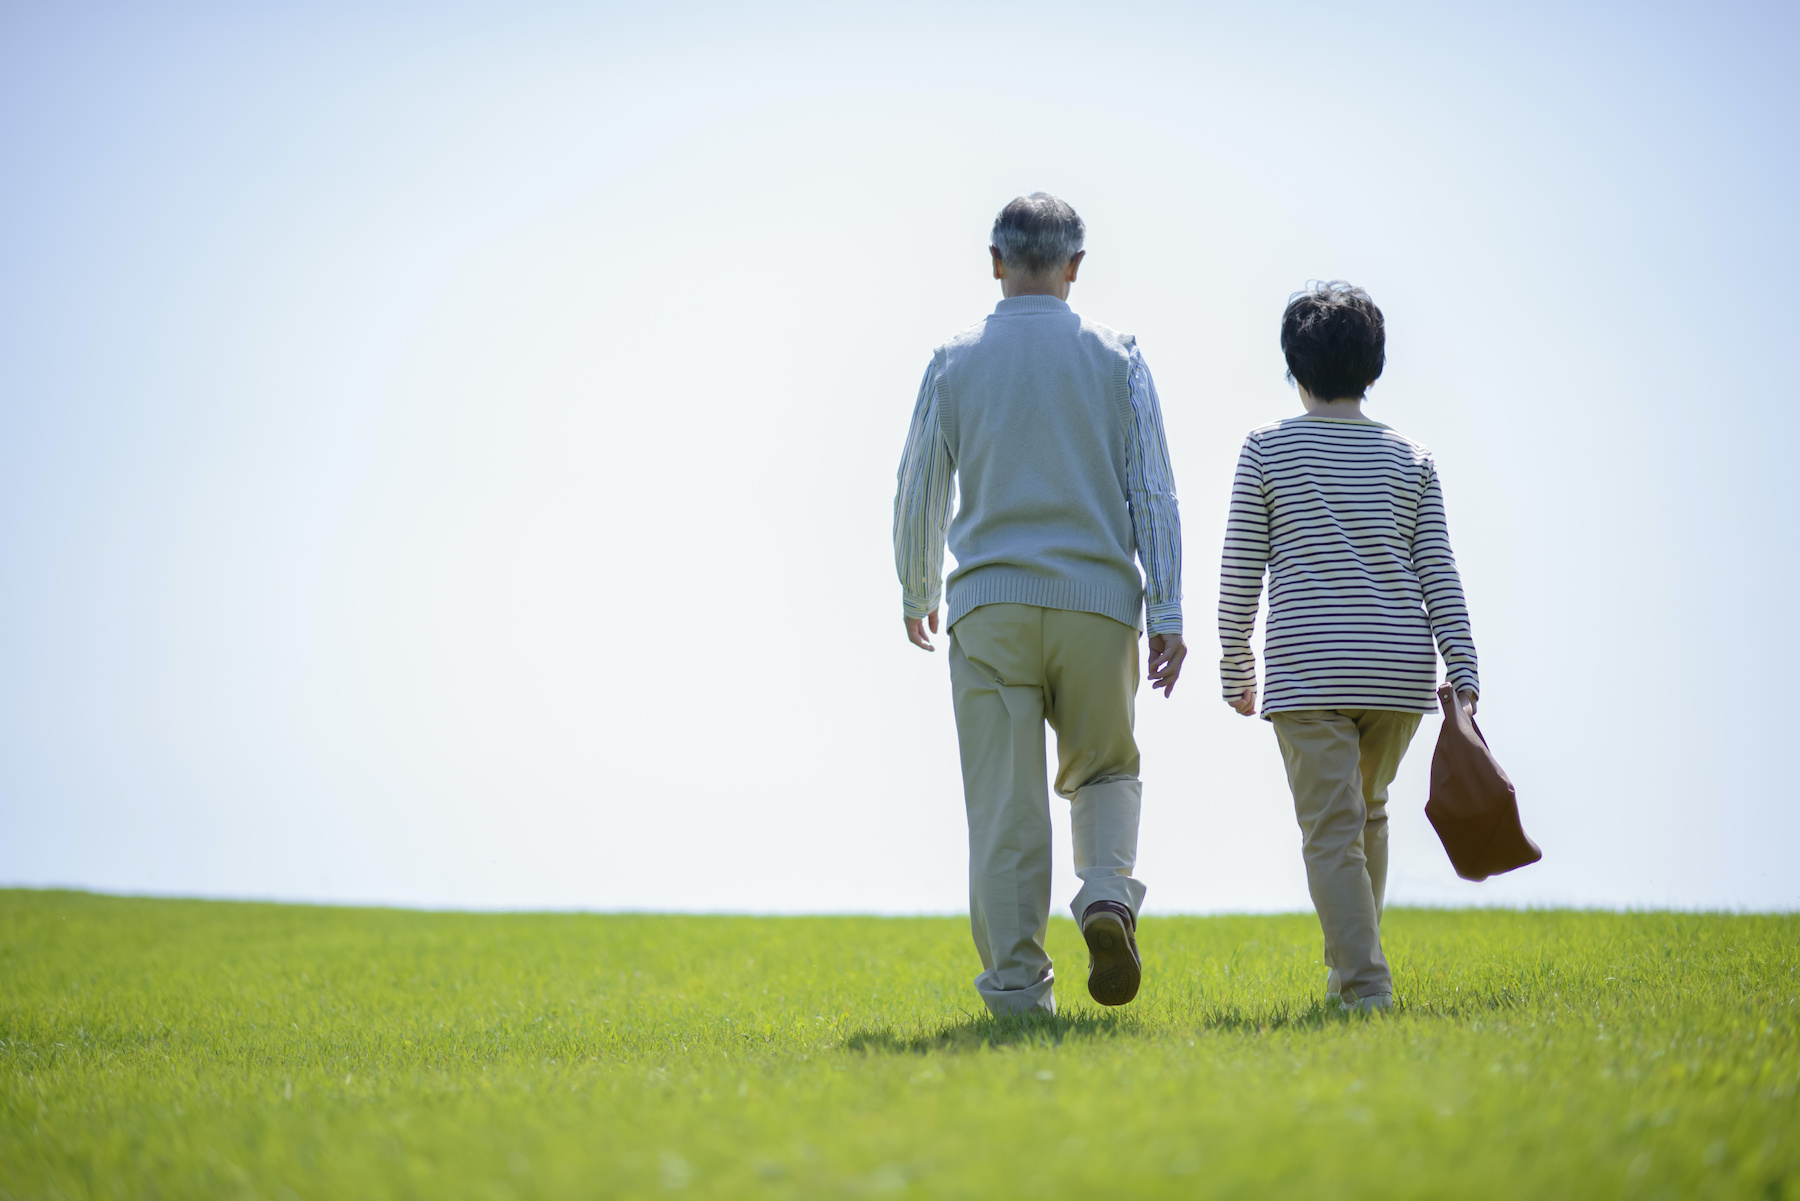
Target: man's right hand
(1167,653)
(1246,704)
(915,631)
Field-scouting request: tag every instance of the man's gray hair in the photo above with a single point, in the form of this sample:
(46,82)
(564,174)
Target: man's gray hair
(1038,234)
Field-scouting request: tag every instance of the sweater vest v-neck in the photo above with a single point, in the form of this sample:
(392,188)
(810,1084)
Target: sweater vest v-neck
(1035,404)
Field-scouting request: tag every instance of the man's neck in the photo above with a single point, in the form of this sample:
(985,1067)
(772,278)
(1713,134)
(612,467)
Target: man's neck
(1010,287)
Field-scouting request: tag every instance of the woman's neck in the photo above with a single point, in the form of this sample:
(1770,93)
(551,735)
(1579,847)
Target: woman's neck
(1344,408)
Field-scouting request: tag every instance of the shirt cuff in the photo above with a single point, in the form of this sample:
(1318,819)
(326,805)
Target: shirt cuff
(917,607)
(1237,672)
(1163,618)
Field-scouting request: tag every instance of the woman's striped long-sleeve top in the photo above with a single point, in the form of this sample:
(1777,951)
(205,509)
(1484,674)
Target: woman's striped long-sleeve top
(1347,518)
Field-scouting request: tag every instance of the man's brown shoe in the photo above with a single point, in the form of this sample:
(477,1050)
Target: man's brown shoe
(1114,969)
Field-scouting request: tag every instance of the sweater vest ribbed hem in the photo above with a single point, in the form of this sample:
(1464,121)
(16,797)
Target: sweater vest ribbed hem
(999,586)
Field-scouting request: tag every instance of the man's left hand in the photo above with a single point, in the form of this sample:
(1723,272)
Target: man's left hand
(1166,653)
(915,631)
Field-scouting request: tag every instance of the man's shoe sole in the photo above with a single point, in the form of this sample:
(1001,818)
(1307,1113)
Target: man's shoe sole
(1115,974)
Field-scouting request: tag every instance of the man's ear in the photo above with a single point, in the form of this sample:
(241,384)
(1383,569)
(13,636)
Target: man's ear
(999,267)
(1074,265)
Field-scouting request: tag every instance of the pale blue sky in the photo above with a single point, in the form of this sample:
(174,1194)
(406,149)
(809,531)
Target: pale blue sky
(446,452)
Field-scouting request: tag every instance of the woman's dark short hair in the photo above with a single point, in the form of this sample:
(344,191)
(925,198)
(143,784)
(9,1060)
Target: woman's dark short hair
(1335,340)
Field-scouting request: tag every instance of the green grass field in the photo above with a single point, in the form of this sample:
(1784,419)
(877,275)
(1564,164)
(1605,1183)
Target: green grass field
(195,1049)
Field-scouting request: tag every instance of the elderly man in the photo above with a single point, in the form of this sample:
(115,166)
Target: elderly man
(1051,426)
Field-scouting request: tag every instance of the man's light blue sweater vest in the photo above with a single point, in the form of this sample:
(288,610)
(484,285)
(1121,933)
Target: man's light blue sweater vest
(1034,404)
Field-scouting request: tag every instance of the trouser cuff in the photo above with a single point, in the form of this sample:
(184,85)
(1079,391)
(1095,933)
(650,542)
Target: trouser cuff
(1127,890)
(1003,1001)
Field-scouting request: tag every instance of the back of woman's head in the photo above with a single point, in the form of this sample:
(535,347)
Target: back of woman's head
(1335,340)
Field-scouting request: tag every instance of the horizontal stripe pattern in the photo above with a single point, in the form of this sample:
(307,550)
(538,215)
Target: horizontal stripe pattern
(1347,520)
(924,490)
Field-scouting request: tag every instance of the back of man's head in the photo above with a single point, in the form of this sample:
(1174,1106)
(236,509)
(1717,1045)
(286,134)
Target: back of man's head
(1038,234)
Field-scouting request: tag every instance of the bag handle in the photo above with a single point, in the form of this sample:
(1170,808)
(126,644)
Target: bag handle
(1453,712)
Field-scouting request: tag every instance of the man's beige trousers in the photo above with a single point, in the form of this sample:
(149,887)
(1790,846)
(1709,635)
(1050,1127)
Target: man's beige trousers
(1339,765)
(1012,668)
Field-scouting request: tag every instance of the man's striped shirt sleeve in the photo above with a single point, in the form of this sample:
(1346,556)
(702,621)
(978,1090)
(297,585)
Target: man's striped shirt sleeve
(922,505)
(1150,491)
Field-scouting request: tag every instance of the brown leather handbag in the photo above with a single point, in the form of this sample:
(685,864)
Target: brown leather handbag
(1472,804)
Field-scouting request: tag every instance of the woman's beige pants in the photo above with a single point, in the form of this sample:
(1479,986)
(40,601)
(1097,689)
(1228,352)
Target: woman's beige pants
(1339,765)
(1012,668)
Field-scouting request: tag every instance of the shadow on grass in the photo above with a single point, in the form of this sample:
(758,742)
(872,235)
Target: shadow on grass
(1319,1013)
(978,1032)
(973,1033)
